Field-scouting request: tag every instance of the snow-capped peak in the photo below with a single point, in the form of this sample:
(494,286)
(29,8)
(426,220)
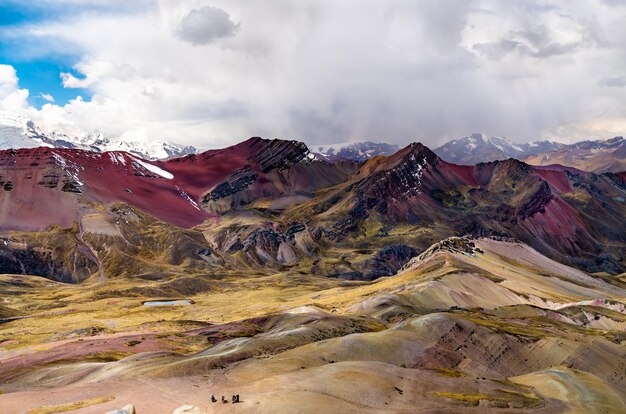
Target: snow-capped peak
(355,151)
(479,147)
(17,131)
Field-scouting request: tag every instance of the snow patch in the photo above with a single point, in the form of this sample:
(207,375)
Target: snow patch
(71,169)
(187,197)
(154,169)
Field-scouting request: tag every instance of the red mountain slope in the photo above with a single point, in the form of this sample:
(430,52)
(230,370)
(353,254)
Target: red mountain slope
(44,186)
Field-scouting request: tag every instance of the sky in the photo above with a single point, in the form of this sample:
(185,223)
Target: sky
(211,73)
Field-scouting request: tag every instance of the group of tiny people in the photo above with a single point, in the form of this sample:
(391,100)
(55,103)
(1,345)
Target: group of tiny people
(234,399)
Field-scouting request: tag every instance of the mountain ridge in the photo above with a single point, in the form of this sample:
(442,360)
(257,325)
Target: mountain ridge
(270,203)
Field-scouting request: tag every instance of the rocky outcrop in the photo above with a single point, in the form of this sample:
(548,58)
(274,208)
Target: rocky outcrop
(536,203)
(238,181)
(270,246)
(60,258)
(49,179)
(71,186)
(232,192)
(463,245)
(235,247)
(279,154)
(387,261)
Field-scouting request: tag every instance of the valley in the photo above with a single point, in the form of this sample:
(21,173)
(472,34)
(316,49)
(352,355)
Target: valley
(487,324)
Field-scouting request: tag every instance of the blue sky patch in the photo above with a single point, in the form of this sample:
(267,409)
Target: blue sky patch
(42,77)
(37,63)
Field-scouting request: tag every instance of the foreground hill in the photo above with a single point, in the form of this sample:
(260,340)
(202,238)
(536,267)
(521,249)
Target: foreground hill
(469,325)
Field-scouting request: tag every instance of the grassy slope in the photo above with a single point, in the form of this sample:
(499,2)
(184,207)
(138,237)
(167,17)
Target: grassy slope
(307,350)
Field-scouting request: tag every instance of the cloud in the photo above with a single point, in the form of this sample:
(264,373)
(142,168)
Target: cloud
(70,81)
(550,33)
(599,128)
(46,97)
(497,50)
(11,97)
(325,71)
(8,80)
(206,25)
(614,81)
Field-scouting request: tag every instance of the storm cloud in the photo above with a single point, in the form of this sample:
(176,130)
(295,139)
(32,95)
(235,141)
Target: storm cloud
(211,73)
(206,25)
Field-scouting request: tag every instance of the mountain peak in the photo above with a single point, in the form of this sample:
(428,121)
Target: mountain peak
(419,147)
(479,136)
(417,150)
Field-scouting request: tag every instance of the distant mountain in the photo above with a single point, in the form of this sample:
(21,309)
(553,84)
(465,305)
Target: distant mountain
(478,148)
(607,155)
(17,131)
(353,151)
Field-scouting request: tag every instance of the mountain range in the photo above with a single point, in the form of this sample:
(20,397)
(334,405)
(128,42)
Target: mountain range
(271,203)
(598,156)
(609,155)
(17,131)
(358,278)
(478,147)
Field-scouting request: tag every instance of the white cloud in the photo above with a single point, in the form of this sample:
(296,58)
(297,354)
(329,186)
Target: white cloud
(70,81)
(8,80)
(11,97)
(46,97)
(328,71)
